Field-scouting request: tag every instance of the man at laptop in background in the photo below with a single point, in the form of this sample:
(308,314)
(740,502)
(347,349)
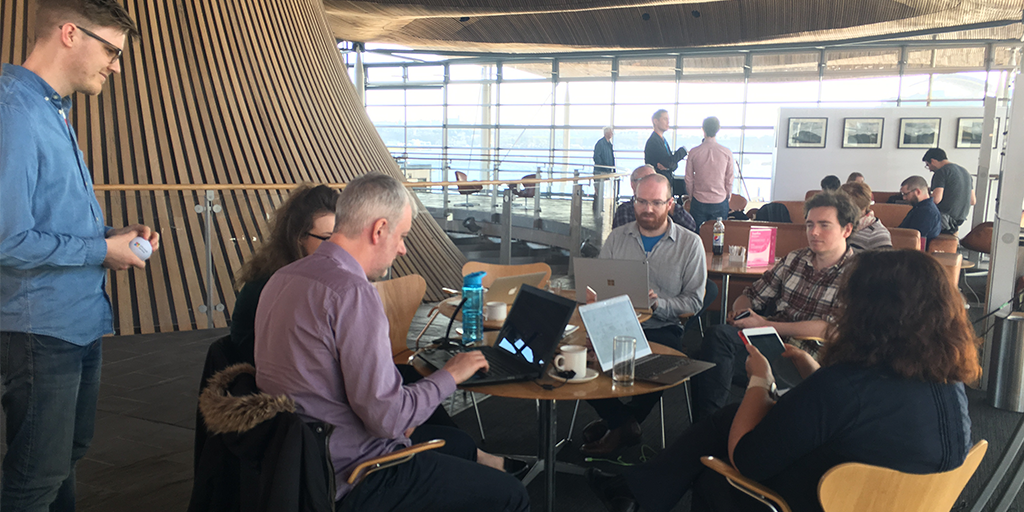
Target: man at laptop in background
(677,273)
(626,212)
(322,339)
(795,297)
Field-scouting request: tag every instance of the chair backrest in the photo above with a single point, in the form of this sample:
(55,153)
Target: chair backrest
(737,203)
(401,298)
(890,214)
(466,189)
(951,262)
(526,189)
(943,243)
(905,238)
(788,237)
(857,487)
(495,271)
(980,238)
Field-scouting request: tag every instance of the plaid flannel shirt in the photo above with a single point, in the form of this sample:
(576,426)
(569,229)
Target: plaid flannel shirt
(626,213)
(792,291)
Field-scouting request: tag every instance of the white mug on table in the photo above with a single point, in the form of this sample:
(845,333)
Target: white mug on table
(573,358)
(495,311)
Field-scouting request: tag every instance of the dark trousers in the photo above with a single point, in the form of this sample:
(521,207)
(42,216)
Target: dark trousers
(703,212)
(722,345)
(616,413)
(50,388)
(443,479)
(659,484)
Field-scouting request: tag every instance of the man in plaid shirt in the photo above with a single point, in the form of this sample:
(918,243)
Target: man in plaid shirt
(795,297)
(626,213)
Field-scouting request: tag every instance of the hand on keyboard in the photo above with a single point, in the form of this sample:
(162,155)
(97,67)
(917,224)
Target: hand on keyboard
(465,364)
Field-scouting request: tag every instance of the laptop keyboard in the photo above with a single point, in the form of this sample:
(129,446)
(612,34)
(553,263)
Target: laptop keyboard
(497,363)
(658,365)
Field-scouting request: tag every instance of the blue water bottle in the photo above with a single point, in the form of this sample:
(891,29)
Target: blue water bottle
(473,308)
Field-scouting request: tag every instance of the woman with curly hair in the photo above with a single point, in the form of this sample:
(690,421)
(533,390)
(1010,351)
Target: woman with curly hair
(889,392)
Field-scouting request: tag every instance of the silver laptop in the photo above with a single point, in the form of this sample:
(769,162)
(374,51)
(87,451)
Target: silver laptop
(607,319)
(505,289)
(610,278)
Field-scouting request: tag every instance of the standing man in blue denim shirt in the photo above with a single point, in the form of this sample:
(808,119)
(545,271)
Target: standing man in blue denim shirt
(54,252)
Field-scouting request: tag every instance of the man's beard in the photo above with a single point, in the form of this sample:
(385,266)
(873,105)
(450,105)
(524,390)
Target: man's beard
(651,221)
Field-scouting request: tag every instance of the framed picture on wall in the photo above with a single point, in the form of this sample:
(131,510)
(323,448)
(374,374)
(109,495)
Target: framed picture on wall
(969,131)
(919,133)
(806,132)
(862,132)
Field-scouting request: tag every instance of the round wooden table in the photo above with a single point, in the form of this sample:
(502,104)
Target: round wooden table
(547,390)
(447,308)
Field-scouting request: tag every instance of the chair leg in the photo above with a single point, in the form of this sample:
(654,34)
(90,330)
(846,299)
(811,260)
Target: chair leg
(572,423)
(661,404)
(689,401)
(433,314)
(479,422)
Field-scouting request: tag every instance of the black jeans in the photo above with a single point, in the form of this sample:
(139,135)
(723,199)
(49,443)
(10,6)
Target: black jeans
(722,345)
(658,485)
(616,413)
(443,479)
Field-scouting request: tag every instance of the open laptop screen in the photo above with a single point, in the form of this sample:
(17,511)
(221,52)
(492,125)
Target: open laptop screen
(534,325)
(610,318)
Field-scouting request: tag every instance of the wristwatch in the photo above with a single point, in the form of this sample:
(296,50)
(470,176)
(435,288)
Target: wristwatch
(768,385)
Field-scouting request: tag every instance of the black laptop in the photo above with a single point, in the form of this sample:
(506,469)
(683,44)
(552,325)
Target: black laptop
(525,343)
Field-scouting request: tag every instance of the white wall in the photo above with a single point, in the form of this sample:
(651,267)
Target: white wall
(798,170)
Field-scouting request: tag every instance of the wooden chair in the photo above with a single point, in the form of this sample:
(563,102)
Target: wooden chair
(737,203)
(401,298)
(495,271)
(943,243)
(891,215)
(858,487)
(904,238)
(466,190)
(392,459)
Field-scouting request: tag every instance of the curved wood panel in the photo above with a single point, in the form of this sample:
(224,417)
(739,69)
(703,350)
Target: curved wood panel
(222,92)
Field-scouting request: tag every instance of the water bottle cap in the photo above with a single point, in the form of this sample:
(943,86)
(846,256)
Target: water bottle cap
(473,280)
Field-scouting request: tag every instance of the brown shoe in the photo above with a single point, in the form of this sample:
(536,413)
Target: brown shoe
(627,435)
(594,431)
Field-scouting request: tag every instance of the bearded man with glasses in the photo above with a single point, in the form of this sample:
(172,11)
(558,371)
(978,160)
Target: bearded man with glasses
(54,252)
(677,273)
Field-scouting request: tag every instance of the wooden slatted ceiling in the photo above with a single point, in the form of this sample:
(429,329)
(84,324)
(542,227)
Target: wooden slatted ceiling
(222,92)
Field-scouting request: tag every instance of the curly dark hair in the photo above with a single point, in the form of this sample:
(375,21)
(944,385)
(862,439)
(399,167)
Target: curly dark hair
(900,311)
(846,211)
(290,222)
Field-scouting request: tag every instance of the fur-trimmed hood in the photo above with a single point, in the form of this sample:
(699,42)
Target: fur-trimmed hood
(224,412)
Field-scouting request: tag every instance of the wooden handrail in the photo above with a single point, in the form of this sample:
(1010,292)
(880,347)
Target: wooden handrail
(289,186)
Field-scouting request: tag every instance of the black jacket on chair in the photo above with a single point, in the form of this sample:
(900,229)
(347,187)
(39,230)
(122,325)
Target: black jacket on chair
(261,456)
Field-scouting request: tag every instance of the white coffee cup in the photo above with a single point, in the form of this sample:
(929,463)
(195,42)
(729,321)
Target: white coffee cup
(495,311)
(573,358)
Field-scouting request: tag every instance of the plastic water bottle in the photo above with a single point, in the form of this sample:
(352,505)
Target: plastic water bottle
(472,309)
(718,242)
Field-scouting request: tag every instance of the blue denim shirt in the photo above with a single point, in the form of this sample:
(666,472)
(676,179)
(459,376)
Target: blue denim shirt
(51,227)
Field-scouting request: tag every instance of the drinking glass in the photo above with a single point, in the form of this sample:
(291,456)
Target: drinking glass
(624,359)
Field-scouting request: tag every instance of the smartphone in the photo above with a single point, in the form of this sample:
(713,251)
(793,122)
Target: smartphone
(742,315)
(769,343)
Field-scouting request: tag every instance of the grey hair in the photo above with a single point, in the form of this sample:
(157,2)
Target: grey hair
(632,176)
(368,198)
(608,129)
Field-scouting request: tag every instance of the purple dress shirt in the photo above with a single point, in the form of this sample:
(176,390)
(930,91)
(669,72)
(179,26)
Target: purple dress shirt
(322,339)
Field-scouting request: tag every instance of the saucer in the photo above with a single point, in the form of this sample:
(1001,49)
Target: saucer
(591,375)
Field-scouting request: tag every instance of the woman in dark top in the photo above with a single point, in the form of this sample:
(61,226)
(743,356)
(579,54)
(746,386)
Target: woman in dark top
(889,392)
(297,228)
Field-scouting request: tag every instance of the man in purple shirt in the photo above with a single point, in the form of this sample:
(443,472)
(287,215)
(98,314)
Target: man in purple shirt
(322,339)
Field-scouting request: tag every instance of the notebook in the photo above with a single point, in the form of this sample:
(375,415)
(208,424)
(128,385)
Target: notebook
(611,278)
(613,317)
(504,289)
(525,343)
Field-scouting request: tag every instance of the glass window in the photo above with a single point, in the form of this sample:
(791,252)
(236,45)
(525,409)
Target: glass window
(579,93)
(756,165)
(631,116)
(465,94)
(384,74)
(525,93)
(665,66)
(710,92)
(394,138)
(584,68)
(461,114)
(426,73)
(959,86)
(645,93)
(526,71)
(883,88)
(424,96)
(758,140)
(694,114)
(385,96)
(465,137)
(583,115)
(714,65)
(462,72)
(429,116)
(782,91)
(525,115)
(386,116)
(424,137)
(523,138)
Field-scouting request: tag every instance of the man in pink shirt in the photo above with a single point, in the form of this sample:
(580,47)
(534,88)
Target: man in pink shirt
(709,169)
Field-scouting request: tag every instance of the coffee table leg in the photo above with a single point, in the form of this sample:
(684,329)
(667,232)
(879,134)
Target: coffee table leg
(725,298)
(546,450)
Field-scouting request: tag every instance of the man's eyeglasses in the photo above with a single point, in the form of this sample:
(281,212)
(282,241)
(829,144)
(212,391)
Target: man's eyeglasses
(324,238)
(112,50)
(645,203)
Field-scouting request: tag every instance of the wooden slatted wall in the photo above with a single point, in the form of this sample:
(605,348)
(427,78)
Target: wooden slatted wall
(222,92)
